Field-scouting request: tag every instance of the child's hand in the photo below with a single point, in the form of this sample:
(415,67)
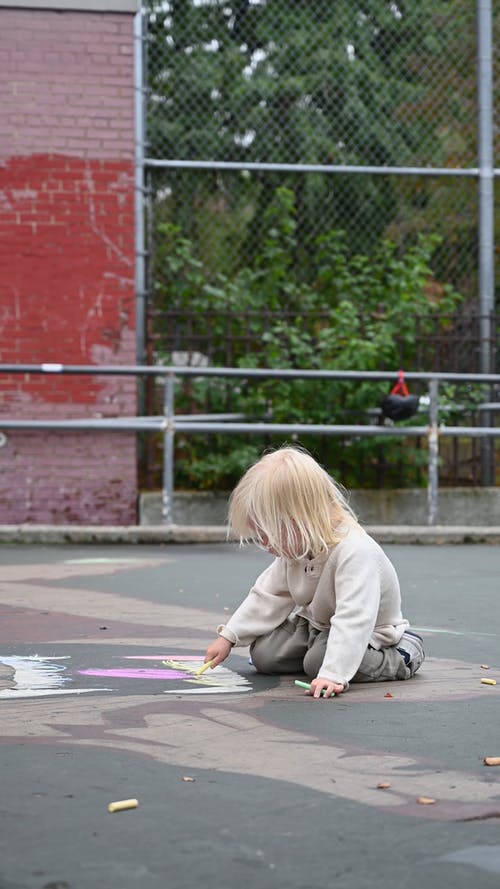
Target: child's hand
(218,651)
(326,686)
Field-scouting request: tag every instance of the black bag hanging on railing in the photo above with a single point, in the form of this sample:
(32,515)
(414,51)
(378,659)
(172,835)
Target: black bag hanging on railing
(399,404)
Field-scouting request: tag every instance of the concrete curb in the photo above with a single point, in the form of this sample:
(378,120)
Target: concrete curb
(415,534)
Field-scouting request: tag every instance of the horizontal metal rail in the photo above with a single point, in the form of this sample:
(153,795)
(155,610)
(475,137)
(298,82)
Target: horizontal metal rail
(250,372)
(160,424)
(345,169)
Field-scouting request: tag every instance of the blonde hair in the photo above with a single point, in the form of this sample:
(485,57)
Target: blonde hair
(290,499)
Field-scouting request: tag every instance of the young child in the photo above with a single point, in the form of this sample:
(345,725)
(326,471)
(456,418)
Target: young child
(329,605)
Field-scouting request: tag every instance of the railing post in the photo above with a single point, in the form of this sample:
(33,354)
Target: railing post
(168,450)
(486,198)
(433,444)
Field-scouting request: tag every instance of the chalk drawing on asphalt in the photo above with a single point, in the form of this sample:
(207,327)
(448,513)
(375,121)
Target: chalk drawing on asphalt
(221,680)
(37,676)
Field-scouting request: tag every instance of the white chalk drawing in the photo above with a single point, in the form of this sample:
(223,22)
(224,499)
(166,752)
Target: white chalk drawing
(37,676)
(444,632)
(221,680)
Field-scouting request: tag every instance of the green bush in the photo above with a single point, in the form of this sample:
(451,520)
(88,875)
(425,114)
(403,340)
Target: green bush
(357,312)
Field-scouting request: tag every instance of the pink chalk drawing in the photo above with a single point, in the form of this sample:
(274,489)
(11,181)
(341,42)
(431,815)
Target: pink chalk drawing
(185,658)
(63,674)
(220,681)
(135,674)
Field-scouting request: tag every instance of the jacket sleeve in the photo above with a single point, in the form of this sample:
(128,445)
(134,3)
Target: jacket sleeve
(357,582)
(267,605)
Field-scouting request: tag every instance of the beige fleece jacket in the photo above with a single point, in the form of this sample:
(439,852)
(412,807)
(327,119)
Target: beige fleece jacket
(352,590)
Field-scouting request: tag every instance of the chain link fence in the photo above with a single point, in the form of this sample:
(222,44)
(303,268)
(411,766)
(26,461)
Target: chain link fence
(315,82)
(286,141)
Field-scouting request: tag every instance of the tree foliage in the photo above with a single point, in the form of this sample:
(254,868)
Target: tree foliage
(357,312)
(350,82)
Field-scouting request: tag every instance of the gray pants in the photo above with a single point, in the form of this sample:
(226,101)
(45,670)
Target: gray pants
(297,647)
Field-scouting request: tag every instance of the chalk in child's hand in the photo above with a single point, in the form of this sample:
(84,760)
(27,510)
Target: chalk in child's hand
(308,685)
(203,668)
(122,804)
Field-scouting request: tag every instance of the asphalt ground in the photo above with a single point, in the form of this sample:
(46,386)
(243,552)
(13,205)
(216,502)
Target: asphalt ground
(241,780)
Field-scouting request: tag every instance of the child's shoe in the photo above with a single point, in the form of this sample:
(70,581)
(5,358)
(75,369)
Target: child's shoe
(411,648)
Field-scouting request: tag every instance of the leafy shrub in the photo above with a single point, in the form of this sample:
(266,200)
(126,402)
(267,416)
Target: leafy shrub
(357,312)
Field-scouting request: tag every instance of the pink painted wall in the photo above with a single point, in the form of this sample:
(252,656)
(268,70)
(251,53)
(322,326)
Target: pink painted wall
(67,260)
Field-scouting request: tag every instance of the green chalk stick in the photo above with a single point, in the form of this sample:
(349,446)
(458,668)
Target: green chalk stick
(308,685)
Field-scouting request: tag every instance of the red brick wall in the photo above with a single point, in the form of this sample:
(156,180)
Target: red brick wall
(67,260)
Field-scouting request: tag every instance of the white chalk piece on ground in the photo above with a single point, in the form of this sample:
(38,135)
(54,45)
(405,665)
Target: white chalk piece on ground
(122,804)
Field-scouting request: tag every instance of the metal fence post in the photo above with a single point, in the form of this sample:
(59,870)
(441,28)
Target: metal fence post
(139,118)
(433,473)
(168,450)
(485,130)
(140,22)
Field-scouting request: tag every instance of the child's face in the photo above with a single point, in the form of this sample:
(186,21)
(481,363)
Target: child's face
(287,547)
(263,541)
